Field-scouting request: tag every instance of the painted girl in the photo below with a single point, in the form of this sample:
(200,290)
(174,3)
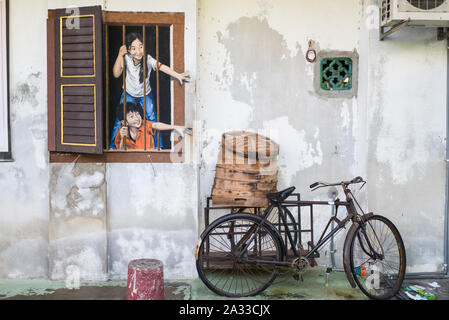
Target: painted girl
(133,53)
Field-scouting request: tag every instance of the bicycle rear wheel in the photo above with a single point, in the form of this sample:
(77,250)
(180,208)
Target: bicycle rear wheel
(237,256)
(377,258)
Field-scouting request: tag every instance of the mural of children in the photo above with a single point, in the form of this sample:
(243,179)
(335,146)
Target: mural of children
(133,53)
(134,130)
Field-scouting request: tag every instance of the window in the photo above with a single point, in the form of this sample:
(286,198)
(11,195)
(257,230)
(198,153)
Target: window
(87,102)
(157,41)
(5,138)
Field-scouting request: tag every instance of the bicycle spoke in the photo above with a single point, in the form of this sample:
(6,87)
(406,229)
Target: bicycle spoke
(243,271)
(384,273)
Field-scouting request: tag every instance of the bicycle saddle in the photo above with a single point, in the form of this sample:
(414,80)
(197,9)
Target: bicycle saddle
(281,195)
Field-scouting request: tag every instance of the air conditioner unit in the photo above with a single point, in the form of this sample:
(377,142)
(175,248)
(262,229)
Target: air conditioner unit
(422,13)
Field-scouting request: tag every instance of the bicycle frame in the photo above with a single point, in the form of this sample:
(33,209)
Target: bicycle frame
(253,244)
(352,215)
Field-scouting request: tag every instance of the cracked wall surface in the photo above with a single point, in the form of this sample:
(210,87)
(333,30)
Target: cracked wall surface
(24,182)
(77,228)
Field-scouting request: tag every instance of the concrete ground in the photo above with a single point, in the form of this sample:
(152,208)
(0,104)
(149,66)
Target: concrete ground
(285,288)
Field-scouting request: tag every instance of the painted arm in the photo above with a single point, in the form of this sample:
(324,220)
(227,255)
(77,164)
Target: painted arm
(163,127)
(118,68)
(181,77)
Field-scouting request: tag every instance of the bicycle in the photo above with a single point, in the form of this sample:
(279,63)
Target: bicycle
(240,254)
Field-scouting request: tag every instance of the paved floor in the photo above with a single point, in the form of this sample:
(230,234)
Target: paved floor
(285,288)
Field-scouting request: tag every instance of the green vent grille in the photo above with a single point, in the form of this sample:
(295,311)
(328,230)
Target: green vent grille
(336,74)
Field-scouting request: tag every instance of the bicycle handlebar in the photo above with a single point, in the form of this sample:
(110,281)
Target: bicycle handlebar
(319,184)
(313,185)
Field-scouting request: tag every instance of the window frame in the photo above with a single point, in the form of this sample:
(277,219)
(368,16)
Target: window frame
(5,156)
(177,22)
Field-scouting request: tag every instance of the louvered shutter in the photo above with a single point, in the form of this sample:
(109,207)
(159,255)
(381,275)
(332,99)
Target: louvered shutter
(78,80)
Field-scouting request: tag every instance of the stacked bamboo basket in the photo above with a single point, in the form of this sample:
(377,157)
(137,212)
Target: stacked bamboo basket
(247,170)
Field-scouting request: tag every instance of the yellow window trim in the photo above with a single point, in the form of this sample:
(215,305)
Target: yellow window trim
(62,114)
(60,41)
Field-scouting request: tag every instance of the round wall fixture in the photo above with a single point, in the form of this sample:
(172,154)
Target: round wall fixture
(311,53)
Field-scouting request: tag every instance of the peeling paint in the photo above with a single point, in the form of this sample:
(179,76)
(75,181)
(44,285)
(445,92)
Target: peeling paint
(77,193)
(173,248)
(297,152)
(85,252)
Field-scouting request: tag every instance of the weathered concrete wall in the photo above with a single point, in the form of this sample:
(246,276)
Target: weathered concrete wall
(24,183)
(253,75)
(61,218)
(151,208)
(152,213)
(407,139)
(78,229)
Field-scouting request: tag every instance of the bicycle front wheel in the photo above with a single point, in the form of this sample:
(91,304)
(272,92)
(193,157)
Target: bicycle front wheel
(237,256)
(377,258)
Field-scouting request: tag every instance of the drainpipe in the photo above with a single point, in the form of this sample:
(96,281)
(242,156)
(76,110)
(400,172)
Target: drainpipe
(446,215)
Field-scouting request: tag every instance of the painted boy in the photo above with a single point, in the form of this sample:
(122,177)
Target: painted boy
(134,130)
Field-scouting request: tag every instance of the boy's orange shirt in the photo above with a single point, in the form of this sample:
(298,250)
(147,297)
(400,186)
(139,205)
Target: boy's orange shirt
(140,139)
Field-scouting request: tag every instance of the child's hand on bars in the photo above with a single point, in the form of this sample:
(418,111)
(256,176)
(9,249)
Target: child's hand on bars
(122,51)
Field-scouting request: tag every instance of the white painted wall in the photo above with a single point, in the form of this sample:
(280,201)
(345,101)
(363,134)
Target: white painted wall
(24,182)
(253,75)
(248,71)
(407,139)
(92,217)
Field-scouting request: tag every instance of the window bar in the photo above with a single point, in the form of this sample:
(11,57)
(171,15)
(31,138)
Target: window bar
(144,58)
(107,85)
(157,85)
(124,83)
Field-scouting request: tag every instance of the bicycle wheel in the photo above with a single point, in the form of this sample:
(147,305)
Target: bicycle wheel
(237,256)
(377,258)
(276,221)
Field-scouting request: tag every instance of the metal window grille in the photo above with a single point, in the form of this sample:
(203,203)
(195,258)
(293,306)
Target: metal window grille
(336,74)
(145,70)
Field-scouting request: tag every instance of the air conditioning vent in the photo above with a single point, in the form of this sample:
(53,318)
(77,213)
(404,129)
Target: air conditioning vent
(426,4)
(422,5)
(385,11)
(423,13)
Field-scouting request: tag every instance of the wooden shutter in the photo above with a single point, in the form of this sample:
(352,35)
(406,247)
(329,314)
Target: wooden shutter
(78,81)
